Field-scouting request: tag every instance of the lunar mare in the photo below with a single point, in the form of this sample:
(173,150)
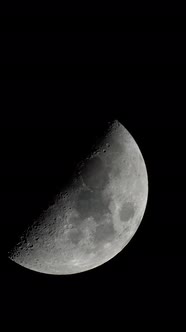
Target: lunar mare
(96,216)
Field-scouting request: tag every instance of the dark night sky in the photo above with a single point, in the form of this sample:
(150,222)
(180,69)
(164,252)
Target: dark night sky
(48,123)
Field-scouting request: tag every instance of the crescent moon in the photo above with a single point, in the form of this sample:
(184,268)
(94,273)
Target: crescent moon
(94,218)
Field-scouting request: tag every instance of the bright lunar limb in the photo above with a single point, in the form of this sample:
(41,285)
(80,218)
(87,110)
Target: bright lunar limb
(96,216)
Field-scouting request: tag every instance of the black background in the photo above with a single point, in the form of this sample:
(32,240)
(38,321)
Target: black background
(52,112)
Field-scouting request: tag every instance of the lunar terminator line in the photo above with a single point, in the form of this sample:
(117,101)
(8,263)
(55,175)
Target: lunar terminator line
(95,217)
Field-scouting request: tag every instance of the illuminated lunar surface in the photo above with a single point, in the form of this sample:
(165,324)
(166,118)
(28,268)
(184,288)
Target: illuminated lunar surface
(96,216)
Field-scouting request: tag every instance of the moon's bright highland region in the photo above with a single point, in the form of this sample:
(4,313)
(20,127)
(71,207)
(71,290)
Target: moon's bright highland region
(95,217)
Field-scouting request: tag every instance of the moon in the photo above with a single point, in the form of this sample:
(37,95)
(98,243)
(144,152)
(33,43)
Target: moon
(93,218)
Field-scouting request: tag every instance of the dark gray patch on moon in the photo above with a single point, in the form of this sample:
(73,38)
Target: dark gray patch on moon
(75,221)
(116,146)
(91,204)
(75,235)
(116,172)
(104,232)
(127,211)
(94,174)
